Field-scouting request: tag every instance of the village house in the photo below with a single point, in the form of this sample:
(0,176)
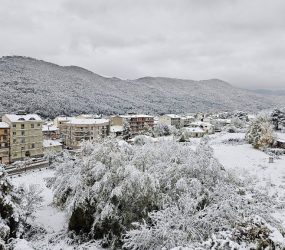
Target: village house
(207,127)
(50,132)
(171,119)
(77,130)
(197,132)
(26,138)
(135,123)
(52,146)
(4,143)
(186,120)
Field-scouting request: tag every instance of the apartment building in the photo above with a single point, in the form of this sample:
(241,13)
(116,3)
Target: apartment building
(77,130)
(171,119)
(50,132)
(136,123)
(4,143)
(26,138)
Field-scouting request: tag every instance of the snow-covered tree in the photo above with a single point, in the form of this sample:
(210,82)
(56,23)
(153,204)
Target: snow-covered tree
(9,218)
(260,133)
(278,118)
(153,195)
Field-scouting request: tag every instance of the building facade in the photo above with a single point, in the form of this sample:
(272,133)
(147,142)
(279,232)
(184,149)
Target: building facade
(135,123)
(171,120)
(26,138)
(4,143)
(77,130)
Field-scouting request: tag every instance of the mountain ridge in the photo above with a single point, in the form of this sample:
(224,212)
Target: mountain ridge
(50,90)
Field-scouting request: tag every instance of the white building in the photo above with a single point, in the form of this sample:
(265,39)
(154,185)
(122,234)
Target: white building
(207,127)
(171,119)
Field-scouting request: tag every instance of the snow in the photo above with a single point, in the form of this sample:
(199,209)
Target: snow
(48,217)
(51,143)
(49,128)
(4,125)
(78,121)
(15,118)
(250,162)
(114,129)
(280,137)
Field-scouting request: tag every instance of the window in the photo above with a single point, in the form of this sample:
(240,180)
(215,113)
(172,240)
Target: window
(5,131)
(22,126)
(22,132)
(32,125)
(14,125)
(39,124)
(33,145)
(14,140)
(14,133)
(23,140)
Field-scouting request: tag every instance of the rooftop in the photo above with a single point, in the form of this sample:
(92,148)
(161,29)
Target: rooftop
(51,143)
(77,121)
(19,118)
(4,125)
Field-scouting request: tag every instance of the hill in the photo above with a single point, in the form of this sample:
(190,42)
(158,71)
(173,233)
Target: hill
(50,90)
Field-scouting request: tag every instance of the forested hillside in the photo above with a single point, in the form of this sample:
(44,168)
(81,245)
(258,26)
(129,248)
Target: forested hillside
(50,90)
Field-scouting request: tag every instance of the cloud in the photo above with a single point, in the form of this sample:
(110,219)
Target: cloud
(239,41)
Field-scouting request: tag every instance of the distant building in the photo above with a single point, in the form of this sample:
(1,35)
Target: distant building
(207,127)
(193,132)
(171,119)
(50,132)
(26,138)
(186,120)
(76,130)
(52,146)
(4,143)
(136,123)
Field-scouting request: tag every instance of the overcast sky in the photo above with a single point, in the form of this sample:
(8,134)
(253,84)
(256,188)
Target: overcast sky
(239,41)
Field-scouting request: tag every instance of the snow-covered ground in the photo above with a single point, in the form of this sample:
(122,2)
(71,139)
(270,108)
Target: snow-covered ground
(250,162)
(48,216)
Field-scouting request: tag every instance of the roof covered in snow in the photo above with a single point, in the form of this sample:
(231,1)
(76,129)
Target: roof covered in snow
(19,118)
(114,129)
(51,143)
(77,121)
(51,128)
(4,125)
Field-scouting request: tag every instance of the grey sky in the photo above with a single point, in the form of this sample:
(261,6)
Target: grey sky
(239,41)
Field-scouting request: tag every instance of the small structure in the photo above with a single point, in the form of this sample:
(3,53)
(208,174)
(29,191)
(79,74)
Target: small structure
(116,130)
(52,146)
(207,127)
(280,141)
(50,132)
(171,119)
(270,159)
(193,132)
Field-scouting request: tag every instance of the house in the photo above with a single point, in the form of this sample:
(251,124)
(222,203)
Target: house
(52,146)
(136,123)
(193,132)
(26,138)
(171,119)
(116,130)
(77,130)
(4,143)
(207,127)
(186,120)
(50,132)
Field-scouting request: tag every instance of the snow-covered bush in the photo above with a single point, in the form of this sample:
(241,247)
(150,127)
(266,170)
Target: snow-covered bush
(16,206)
(9,218)
(260,133)
(153,195)
(161,130)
